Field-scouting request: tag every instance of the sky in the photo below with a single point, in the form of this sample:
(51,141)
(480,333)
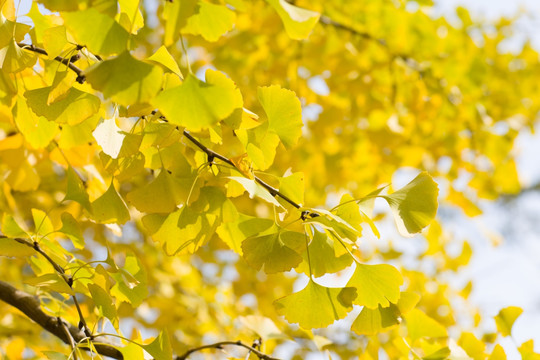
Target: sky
(510,273)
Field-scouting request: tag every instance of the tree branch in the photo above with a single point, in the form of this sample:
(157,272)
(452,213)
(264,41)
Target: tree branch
(69,62)
(219,345)
(68,333)
(212,154)
(68,279)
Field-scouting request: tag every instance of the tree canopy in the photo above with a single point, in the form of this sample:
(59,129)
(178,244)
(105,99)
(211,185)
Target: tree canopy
(191,178)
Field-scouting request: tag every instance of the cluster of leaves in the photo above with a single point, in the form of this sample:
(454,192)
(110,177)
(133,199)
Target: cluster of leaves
(134,196)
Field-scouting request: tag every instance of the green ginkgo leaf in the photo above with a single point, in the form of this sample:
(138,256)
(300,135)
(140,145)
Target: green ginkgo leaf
(234,233)
(269,251)
(14,59)
(110,208)
(323,257)
(316,306)
(104,303)
(71,229)
(211,21)
(37,130)
(131,282)
(373,321)
(376,285)
(175,14)
(52,282)
(196,104)
(164,58)
(42,224)
(284,112)
(75,107)
(298,22)
(162,195)
(100,33)
(125,79)
(160,348)
(76,190)
(505,319)
(415,205)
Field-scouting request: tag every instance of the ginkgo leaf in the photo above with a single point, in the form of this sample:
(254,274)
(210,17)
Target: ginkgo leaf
(14,59)
(52,282)
(163,57)
(211,21)
(322,256)
(420,325)
(125,79)
(83,25)
(54,40)
(497,353)
(233,233)
(11,228)
(254,189)
(162,195)
(376,285)
(472,345)
(195,104)
(76,190)
(37,130)
(373,321)
(284,112)
(42,224)
(160,348)
(298,22)
(269,251)
(175,15)
(71,229)
(75,106)
(11,247)
(316,306)
(292,186)
(110,208)
(109,136)
(103,302)
(130,283)
(262,326)
(505,319)
(415,205)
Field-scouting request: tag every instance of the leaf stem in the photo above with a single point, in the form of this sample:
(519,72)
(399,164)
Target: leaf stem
(219,345)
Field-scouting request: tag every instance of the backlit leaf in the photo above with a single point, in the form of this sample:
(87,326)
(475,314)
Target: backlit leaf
(11,247)
(110,208)
(415,205)
(37,130)
(109,40)
(103,302)
(75,107)
(163,57)
(125,79)
(160,348)
(284,113)
(269,251)
(316,306)
(376,285)
(162,195)
(109,136)
(71,229)
(298,22)
(52,282)
(196,104)
(255,190)
(76,190)
(505,319)
(211,21)
(420,325)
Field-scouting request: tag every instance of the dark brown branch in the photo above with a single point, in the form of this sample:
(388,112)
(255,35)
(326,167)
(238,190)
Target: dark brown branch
(212,154)
(29,305)
(69,281)
(66,61)
(220,345)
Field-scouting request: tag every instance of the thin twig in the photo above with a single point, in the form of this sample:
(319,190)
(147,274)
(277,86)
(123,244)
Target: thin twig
(212,154)
(219,345)
(81,78)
